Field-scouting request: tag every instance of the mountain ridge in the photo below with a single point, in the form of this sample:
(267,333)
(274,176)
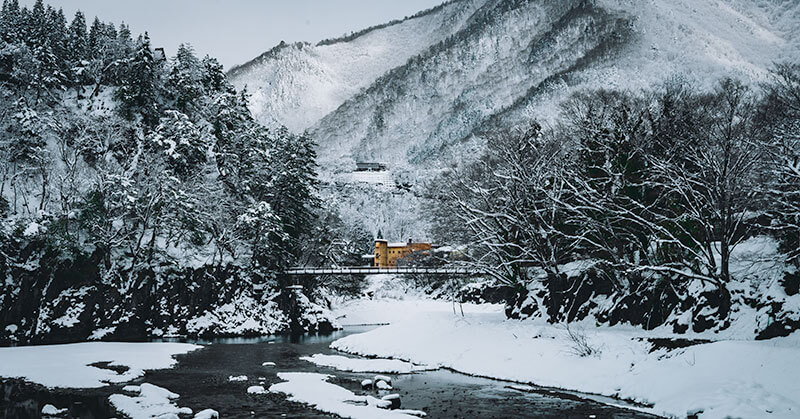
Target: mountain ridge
(297,84)
(410,100)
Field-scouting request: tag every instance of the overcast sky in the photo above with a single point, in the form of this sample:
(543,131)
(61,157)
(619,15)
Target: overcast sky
(236,31)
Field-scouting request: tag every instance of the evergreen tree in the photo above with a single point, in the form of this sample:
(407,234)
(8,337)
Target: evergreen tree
(11,21)
(138,92)
(214,76)
(78,41)
(293,182)
(185,81)
(95,37)
(124,39)
(184,145)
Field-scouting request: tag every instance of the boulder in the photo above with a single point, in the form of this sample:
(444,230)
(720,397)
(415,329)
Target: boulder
(394,399)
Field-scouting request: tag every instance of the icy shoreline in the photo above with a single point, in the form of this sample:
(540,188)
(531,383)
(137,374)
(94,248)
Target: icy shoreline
(75,365)
(739,378)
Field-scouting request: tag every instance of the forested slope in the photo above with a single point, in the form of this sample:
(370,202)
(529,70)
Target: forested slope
(138,195)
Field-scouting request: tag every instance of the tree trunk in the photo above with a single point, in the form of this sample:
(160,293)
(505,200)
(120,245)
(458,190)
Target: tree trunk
(725,257)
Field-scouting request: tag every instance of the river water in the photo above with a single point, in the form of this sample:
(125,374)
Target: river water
(201,379)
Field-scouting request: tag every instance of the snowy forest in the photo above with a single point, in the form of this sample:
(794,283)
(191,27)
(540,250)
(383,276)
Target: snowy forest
(137,193)
(643,208)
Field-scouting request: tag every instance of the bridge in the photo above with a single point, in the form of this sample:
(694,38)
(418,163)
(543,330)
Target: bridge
(369,270)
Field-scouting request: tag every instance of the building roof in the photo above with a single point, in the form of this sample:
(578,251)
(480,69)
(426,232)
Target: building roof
(399,244)
(370,165)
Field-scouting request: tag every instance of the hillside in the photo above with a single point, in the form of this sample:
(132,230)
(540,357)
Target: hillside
(406,92)
(297,84)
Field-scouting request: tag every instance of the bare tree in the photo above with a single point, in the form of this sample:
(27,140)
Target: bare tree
(779,114)
(507,203)
(708,179)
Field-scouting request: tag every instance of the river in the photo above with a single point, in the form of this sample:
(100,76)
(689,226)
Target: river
(201,379)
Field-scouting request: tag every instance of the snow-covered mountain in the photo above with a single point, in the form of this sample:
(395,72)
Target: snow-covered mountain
(419,93)
(407,92)
(298,84)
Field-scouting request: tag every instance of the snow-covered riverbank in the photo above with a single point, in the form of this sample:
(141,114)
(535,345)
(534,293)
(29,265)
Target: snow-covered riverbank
(88,365)
(725,378)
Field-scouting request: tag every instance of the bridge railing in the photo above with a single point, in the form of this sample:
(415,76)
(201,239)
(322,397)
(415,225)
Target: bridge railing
(367,270)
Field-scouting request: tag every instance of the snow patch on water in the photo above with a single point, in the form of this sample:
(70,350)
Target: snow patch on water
(315,390)
(151,402)
(343,363)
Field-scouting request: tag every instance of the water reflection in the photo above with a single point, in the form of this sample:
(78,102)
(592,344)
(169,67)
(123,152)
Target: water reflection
(24,400)
(305,338)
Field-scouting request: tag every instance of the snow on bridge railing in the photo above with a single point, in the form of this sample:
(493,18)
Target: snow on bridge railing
(365,270)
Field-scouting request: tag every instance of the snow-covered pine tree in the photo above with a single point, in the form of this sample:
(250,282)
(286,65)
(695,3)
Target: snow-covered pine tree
(138,93)
(185,81)
(292,183)
(95,37)
(184,145)
(214,75)
(78,48)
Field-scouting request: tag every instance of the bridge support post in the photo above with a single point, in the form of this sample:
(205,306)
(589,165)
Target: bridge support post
(289,303)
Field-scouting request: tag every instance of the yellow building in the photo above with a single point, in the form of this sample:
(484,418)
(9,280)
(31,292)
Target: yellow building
(387,254)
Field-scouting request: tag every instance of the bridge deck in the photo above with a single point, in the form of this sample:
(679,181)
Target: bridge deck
(365,270)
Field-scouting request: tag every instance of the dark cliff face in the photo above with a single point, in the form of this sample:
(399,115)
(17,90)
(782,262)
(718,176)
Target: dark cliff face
(58,299)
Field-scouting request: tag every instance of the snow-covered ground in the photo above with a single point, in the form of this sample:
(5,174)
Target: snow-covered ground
(394,300)
(69,365)
(733,378)
(386,310)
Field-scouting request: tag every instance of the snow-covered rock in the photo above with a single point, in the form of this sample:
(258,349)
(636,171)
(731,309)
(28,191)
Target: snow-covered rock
(256,390)
(382,385)
(393,399)
(385,378)
(207,414)
(376,402)
(244,315)
(50,410)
